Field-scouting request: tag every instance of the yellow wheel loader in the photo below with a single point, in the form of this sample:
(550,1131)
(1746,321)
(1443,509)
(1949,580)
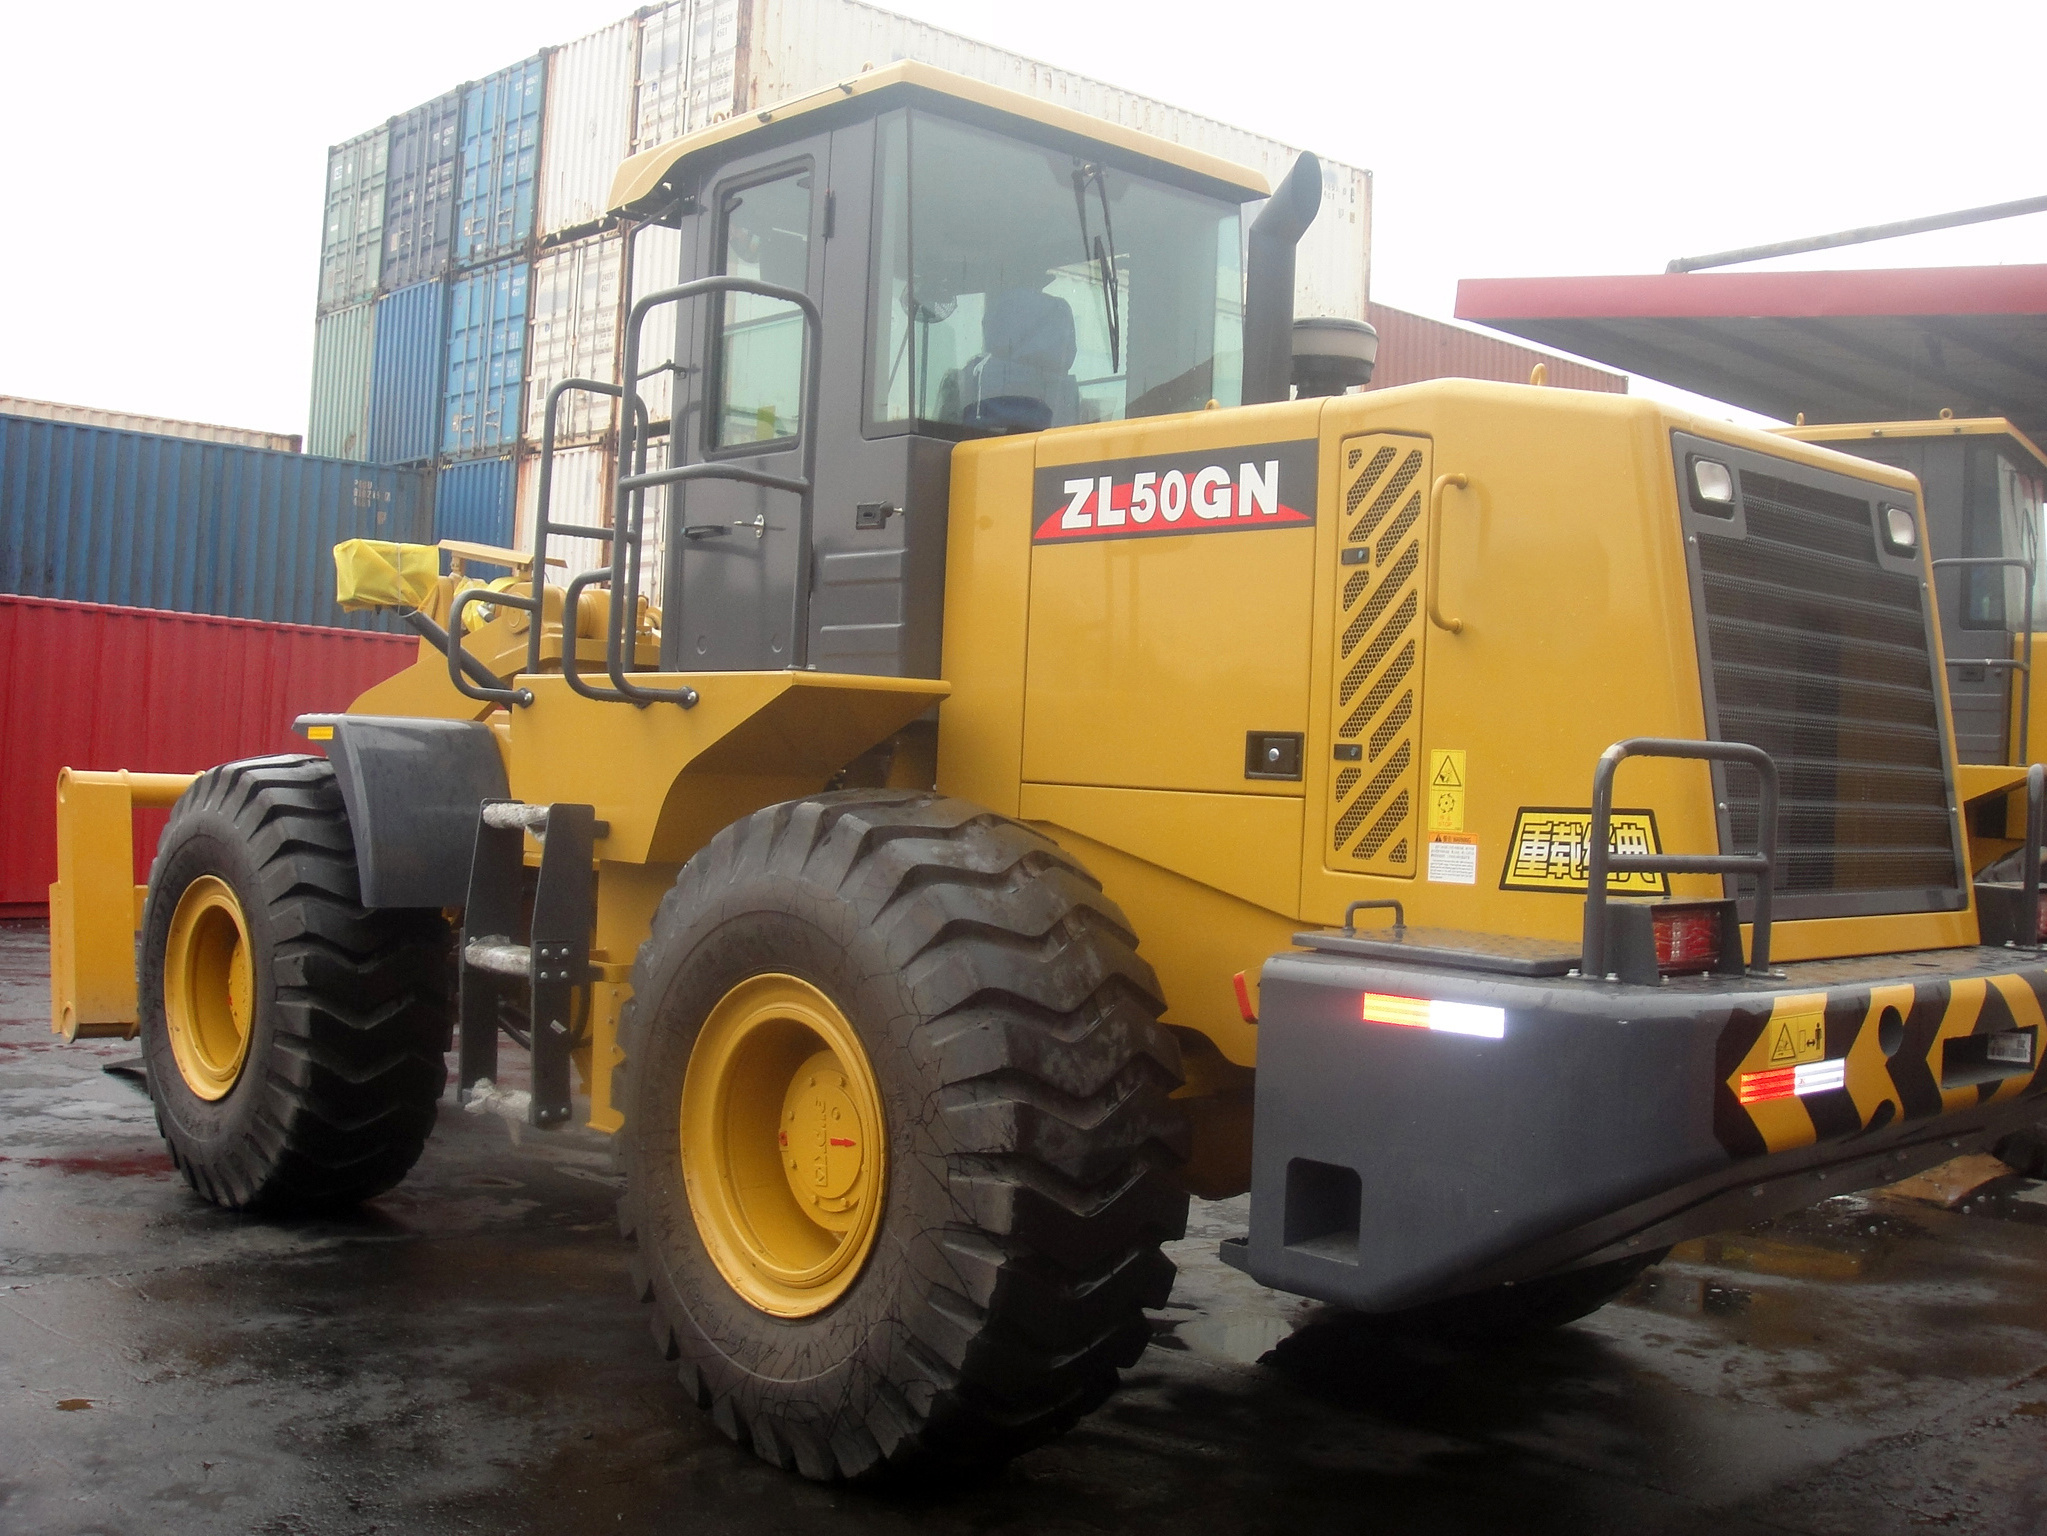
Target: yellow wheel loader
(1077,755)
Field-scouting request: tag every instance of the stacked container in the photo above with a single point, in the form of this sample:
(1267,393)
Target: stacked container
(96,687)
(97,515)
(501,274)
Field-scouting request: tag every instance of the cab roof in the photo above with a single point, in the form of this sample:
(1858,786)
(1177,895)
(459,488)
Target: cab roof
(1945,426)
(647,182)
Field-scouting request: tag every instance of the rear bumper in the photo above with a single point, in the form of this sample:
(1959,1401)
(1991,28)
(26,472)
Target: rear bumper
(1396,1165)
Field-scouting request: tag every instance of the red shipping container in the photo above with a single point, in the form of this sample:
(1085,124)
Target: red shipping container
(83,685)
(1413,348)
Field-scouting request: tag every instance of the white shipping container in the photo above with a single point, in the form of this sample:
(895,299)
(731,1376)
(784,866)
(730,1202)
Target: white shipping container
(689,56)
(797,46)
(352,239)
(579,493)
(574,310)
(657,264)
(161,426)
(588,126)
(339,426)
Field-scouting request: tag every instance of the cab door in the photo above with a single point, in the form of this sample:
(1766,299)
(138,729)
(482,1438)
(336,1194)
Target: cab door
(734,551)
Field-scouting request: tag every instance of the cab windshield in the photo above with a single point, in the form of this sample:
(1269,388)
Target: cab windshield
(1019,288)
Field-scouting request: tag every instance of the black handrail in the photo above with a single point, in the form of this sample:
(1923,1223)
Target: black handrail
(543,525)
(2026,665)
(2036,834)
(457,656)
(1602,860)
(629,505)
(571,665)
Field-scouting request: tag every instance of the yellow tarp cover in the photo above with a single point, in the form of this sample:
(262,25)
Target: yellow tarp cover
(371,573)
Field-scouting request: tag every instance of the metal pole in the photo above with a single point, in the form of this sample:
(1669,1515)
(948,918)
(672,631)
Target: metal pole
(1861,236)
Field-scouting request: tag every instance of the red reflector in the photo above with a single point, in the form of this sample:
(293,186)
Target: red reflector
(1687,938)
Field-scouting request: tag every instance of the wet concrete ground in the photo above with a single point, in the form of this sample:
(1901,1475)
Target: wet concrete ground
(462,1357)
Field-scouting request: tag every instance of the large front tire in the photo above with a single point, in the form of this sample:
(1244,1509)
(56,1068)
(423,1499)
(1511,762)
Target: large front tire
(951,1259)
(292,1039)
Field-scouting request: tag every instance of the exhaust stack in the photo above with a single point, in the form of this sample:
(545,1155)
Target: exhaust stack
(1269,281)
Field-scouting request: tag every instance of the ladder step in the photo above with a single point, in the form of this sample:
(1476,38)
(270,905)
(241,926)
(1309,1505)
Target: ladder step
(498,954)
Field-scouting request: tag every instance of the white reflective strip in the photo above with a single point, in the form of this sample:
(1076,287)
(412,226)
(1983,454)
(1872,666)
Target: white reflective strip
(1468,1019)
(1819,1076)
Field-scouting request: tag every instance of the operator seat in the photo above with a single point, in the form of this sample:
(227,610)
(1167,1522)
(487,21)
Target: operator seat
(1022,378)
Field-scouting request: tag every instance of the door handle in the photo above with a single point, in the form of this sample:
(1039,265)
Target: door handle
(1443,483)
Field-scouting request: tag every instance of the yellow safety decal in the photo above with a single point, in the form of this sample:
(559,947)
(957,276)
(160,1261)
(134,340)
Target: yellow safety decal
(1446,790)
(1552,847)
(1796,1038)
(1824,1066)
(1453,859)
(319,733)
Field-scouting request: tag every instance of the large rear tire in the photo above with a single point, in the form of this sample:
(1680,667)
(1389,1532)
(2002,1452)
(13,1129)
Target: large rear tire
(293,1039)
(898,1137)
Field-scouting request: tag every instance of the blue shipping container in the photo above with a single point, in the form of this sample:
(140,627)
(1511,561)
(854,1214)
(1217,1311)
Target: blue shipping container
(486,359)
(477,501)
(419,192)
(500,162)
(406,383)
(94,515)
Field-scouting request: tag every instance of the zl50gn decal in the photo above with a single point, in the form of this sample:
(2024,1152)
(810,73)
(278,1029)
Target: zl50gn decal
(1221,490)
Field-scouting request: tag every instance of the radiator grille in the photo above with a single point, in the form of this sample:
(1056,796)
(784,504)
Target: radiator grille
(1819,654)
(1378,654)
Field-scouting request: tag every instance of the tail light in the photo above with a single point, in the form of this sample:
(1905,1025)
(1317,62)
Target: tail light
(1689,936)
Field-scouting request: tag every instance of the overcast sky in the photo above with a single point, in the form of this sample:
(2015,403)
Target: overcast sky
(161,179)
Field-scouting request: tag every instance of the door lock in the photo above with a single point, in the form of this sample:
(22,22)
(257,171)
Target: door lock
(869,516)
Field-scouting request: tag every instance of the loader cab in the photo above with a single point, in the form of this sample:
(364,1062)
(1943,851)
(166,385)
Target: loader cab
(1984,485)
(984,265)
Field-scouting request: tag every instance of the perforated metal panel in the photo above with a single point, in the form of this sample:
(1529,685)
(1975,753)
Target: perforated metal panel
(1376,699)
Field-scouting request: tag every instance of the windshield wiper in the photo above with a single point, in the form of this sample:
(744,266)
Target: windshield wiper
(1100,252)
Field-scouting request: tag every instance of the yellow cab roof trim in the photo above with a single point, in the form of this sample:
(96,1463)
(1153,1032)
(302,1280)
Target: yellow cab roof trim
(641,175)
(1945,426)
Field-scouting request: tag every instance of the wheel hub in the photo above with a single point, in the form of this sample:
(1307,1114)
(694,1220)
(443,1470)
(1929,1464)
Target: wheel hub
(822,1139)
(209,987)
(783,1153)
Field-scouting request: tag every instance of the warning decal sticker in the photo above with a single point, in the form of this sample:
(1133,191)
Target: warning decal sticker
(1453,860)
(1446,790)
(1218,490)
(1552,847)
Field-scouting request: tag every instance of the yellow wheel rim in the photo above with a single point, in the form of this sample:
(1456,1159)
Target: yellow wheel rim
(208,987)
(783,1152)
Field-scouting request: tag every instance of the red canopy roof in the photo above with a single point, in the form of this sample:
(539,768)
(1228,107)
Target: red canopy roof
(1837,346)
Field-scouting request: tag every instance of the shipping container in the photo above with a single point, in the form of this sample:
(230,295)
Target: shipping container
(419,200)
(500,163)
(477,501)
(788,48)
(688,53)
(574,335)
(352,245)
(84,685)
(94,515)
(580,494)
(338,426)
(162,426)
(408,355)
(486,359)
(1413,348)
(589,125)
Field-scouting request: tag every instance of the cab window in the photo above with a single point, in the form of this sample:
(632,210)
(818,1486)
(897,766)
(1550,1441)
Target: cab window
(1019,287)
(763,233)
